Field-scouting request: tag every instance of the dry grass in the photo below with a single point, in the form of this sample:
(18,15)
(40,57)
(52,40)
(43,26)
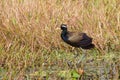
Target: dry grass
(30,33)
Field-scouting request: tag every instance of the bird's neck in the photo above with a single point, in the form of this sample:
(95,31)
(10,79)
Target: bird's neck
(64,35)
(64,32)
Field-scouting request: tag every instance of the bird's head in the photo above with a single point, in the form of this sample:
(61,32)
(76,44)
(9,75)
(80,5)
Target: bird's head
(63,27)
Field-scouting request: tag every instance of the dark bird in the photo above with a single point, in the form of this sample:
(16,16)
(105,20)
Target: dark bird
(76,39)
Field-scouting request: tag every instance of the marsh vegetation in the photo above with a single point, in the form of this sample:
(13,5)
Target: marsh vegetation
(31,47)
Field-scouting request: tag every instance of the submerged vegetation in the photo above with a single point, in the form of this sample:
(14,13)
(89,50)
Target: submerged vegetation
(31,47)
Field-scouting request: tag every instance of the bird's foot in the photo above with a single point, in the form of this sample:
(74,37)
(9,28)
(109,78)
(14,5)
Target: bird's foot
(70,64)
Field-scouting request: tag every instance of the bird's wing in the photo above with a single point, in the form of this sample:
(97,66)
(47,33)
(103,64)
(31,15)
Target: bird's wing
(80,39)
(74,37)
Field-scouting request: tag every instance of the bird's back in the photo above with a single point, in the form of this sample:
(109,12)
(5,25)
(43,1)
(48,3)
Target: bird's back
(78,39)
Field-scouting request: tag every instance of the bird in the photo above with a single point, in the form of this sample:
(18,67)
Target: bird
(76,39)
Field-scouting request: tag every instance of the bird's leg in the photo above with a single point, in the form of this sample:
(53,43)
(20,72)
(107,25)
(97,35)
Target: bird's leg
(76,54)
(71,63)
(84,53)
(83,56)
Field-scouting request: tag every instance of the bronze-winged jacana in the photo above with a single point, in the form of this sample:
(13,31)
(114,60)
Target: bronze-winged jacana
(76,39)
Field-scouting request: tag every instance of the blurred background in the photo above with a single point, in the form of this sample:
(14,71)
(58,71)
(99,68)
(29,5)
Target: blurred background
(30,41)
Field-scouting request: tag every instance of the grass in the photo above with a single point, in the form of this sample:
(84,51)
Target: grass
(31,47)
